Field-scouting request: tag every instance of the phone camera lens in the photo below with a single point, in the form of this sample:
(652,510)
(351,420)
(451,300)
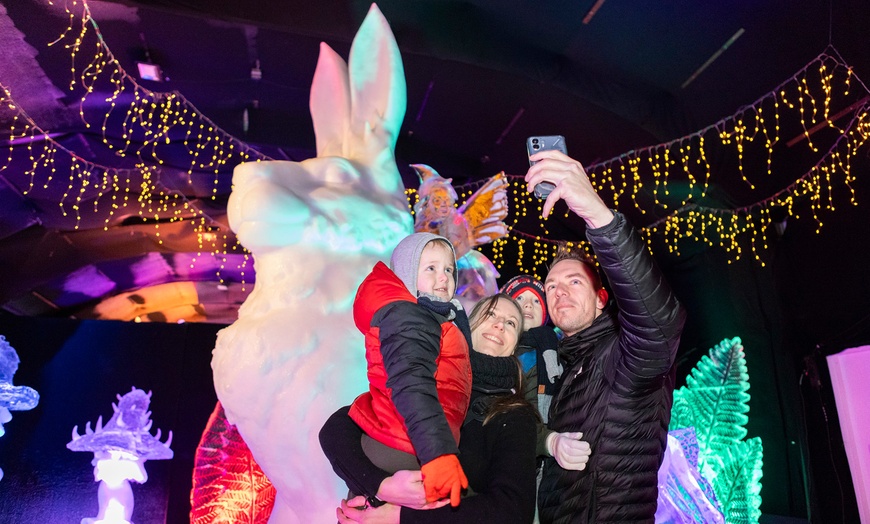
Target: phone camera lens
(534,140)
(536,147)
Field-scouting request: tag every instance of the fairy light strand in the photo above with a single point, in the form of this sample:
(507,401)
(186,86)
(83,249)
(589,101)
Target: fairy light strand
(740,230)
(144,121)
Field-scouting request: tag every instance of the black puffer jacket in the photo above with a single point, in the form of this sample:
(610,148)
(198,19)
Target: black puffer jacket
(617,388)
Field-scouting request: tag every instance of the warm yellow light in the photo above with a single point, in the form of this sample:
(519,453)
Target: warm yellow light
(147,119)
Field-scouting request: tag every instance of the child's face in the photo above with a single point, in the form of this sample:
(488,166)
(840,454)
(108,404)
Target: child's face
(533,313)
(435,274)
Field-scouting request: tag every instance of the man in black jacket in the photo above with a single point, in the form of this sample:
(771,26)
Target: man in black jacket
(618,379)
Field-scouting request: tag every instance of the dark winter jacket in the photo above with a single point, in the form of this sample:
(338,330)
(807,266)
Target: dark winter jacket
(537,354)
(617,388)
(498,458)
(418,369)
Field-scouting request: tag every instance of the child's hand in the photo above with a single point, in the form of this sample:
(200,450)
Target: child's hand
(443,477)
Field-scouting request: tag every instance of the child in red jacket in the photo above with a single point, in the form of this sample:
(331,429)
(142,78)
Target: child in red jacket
(417,343)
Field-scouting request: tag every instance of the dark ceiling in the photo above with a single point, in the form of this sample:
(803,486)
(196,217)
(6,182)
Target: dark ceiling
(482,75)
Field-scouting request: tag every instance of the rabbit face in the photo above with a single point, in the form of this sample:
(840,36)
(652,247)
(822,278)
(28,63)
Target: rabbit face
(350,197)
(330,203)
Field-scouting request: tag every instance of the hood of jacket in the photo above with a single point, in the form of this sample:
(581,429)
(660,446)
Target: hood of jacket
(405,260)
(380,287)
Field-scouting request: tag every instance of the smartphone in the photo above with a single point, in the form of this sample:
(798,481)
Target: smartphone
(535,144)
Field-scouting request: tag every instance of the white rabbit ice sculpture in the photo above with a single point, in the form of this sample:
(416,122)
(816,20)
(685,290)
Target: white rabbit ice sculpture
(315,228)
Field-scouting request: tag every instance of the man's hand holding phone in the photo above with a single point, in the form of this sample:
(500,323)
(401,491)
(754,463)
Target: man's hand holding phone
(535,144)
(571,185)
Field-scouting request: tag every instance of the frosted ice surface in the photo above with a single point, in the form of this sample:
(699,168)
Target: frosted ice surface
(316,228)
(12,398)
(127,432)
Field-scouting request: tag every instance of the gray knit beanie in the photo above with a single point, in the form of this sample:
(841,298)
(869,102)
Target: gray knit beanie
(405,260)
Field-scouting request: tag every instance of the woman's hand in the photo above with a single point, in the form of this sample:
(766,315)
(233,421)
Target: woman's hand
(403,488)
(358,510)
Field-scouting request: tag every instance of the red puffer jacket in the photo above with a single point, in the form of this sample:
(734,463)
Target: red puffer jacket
(418,369)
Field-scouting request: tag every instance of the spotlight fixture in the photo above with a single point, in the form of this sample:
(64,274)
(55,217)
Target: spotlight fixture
(150,72)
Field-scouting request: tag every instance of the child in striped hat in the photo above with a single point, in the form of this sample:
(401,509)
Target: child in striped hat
(537,347)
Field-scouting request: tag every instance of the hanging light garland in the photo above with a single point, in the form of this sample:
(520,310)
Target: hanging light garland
(119,192)
(152,118)
(676,175)
(808,97)
(146,122)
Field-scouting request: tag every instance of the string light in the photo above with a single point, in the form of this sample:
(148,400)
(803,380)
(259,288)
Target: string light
(809,96)
(145,122)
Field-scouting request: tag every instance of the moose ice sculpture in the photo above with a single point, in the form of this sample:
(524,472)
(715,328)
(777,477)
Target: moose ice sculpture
(315,228)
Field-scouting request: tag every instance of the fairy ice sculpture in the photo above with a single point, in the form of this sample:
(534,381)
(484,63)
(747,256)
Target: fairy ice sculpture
(315,228)
(12,398)
(479,221)
(120,450)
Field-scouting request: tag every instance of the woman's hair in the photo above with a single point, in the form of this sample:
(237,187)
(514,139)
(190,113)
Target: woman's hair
(506,402)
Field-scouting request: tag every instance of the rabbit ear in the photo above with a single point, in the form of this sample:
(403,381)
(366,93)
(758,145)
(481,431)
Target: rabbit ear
(330,102)
(377,77)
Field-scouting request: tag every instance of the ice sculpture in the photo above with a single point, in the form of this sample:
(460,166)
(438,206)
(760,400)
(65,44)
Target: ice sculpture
(685,496)
(714,402)
(479,221)
(120,450)
(315,228)
(849,371)
(476,279)
(12,398)
(229,486)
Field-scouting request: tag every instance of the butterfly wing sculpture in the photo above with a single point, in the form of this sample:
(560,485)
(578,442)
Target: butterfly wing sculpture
(485,211)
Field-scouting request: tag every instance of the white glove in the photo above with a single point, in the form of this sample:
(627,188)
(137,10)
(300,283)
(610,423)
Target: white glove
(568,450)
(551,361)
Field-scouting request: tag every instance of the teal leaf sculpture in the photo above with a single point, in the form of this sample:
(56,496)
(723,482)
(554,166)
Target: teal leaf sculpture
(738,480)
(715,402)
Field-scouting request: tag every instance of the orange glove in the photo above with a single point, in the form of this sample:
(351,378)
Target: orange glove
(444,477)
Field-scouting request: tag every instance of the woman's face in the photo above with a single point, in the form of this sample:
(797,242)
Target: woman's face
(497,332)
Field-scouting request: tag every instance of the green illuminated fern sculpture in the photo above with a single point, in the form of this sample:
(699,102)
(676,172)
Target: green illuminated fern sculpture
(715,403)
